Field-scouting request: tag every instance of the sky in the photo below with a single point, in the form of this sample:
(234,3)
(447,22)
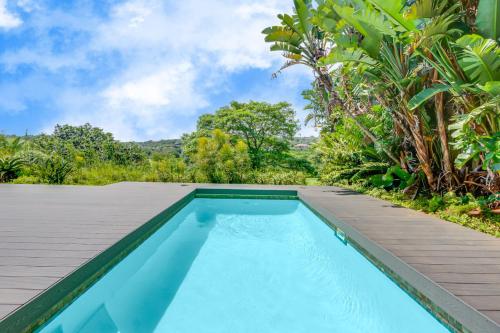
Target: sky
(140,69)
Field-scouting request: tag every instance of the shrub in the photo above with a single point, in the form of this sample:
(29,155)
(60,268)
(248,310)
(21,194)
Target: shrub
(10,168)
(31,179)
(279,177)
(170,170)
(436,203)
(53,169)
(108,173)
(217,160)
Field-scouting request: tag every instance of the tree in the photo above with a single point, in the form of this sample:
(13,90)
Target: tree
(91,143)
(265,128)
(217,160)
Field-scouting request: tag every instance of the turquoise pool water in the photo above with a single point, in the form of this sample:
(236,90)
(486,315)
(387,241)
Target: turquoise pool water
(234,265)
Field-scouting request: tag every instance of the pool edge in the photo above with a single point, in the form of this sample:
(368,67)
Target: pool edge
(440,303)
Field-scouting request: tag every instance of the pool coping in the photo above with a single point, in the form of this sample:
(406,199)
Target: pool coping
(438,301)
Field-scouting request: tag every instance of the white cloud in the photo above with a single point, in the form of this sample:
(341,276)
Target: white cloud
(8,20)
(155,63)
(157,89)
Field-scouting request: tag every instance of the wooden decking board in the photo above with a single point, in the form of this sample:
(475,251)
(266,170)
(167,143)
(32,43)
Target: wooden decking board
(17,296)
(484,302)
(488,278)
(46,232)
(27,282)
(472,289)
(467,253)
(30,271)
(469,268)
(448,260)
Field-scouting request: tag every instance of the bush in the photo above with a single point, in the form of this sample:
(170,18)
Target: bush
(108,173)
(279,177)
(217,160)
(53,169)
(10,168)
(170,170)
(27,180)
(436,203)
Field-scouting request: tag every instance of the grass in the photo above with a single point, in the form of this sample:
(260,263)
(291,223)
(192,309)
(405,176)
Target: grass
(448,207)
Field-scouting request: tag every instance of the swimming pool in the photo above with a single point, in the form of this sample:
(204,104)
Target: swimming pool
(244,265)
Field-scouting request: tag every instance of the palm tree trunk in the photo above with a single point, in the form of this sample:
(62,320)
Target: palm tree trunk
(443,137)
(422,150)
(441,126)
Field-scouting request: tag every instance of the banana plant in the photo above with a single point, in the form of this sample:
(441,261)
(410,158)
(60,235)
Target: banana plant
(300,42)
(488,19)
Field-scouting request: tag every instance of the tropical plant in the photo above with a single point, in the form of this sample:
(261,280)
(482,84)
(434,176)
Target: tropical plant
(217,160)
(10,168)
(432,65)
(53,169)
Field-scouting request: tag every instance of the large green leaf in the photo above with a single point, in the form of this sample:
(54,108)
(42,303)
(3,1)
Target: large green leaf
(284,35)
(393,10)
(279,46)
(488,18)
(372,37)
(303,15)
(480,58)
(338,55)
(492,87)
(427,94)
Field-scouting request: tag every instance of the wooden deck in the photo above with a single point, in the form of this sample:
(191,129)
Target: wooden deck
(46,232)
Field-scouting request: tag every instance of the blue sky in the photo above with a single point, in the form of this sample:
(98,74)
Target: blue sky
(141,69)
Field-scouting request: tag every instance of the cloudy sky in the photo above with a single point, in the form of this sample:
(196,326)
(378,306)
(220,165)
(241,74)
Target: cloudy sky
(141,69)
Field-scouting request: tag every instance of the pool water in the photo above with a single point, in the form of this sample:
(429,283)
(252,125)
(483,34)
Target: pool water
(244,265)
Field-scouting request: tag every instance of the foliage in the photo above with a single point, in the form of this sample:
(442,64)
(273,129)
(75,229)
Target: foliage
(90,144)
(10,168)
(266,129)
(279,177)
(170,170)
(426,72)
(217,160)
(53,169)
(395,177)
(109,173)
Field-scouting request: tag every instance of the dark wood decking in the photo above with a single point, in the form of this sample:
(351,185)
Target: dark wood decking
(46,232)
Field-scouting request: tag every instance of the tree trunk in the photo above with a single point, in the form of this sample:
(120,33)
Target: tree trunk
(422,150)
(443,137)
(441,124)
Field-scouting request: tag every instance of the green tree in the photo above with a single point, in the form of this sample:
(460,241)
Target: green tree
(217,160)
(265,128)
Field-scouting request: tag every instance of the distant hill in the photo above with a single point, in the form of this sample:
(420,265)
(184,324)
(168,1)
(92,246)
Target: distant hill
(173,146)
(169,146)
(303,143)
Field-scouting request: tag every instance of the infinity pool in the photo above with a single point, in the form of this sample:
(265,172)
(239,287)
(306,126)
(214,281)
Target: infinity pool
(238,265)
